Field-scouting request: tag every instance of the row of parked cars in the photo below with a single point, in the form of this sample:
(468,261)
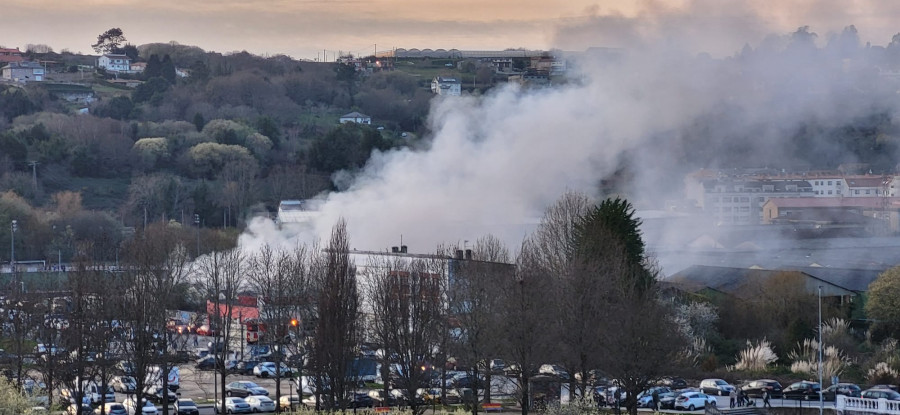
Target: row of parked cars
(698,398)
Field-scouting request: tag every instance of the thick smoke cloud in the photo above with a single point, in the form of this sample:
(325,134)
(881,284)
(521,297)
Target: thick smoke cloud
(646,116)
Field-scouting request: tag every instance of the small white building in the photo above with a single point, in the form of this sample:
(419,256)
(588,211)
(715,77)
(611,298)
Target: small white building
(446,86)
(115,62)
(356,117)
(23,72)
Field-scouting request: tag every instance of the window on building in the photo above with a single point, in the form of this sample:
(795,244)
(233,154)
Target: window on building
(856,191)
(829,182)
(868,191)
(745,199)
(829,192)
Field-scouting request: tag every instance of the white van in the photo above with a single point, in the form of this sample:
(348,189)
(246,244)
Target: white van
(93,392)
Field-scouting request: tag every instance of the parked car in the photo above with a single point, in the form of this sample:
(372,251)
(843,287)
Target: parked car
(694,400)
(125,367)
(361,400)
(846,389)
(245,367)
(645,398)
(111,408)
(234,406)
(451,396)
(754,389)
(880,393)
(244,388)
(667,400)
(267,370)
(554,370)
(186,407)
(289,402)
(209,363)
(146,408)
(161,396)
(123,384)
(804,390)
(674,383)
(715,387)
(72,409)
(260,404)
(382,399)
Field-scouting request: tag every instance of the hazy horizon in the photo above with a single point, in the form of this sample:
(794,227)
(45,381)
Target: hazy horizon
(306,29)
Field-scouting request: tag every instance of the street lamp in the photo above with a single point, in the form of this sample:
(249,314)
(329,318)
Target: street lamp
(821,369)
(12,246)
(197,224)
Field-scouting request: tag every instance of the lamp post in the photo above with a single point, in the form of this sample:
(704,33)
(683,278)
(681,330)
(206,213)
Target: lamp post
(821,369)
(197,224)
(12,246)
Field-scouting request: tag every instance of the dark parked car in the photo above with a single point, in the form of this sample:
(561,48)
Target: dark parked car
(667,400)
(804,390)
(186,407)
(362,400)
(244,388)
(673,382)
(754,389)
(846,389)
(245,367)
(878,393)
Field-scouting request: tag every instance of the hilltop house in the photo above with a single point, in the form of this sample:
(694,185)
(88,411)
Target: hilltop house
(115,62)
(25,71)
(10,55)
(441,85)
(356,117)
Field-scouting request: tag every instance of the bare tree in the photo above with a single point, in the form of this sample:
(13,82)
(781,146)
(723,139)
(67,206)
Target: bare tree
(157,260)
(280,278)
(529,330)
(223,275)
(473,309)
(337,327)
(408,312)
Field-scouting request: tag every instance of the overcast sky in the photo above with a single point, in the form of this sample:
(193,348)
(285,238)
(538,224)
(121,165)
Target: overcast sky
(304,28)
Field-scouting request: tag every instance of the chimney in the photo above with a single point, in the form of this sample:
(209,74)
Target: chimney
(395,249)
(459,254)
(468,254)
(402,249)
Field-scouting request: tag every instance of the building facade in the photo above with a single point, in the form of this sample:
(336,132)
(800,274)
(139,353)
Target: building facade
(115,62)
(441,85)
(23,72)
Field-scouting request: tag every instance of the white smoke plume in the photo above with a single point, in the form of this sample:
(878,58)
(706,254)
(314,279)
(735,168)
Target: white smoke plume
(495,162)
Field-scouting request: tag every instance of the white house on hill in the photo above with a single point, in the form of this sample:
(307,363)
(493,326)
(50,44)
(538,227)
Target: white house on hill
(356,117)
(446,86)
(115,63)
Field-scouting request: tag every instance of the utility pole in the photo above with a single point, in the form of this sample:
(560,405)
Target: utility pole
(33,165)
(821,385)
(12,246)
(197,224)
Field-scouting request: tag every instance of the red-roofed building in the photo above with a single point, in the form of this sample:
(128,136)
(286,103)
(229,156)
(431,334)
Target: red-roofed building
(10,55)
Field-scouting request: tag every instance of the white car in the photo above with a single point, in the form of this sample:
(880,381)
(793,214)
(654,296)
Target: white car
(694,400)
(267,370)
(123,384)
(148,407)
(260,403)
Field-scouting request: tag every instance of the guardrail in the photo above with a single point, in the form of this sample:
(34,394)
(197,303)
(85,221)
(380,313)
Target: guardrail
(862,405)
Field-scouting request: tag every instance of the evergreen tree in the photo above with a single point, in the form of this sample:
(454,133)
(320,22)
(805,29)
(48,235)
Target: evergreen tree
(154,67)
(168,69)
